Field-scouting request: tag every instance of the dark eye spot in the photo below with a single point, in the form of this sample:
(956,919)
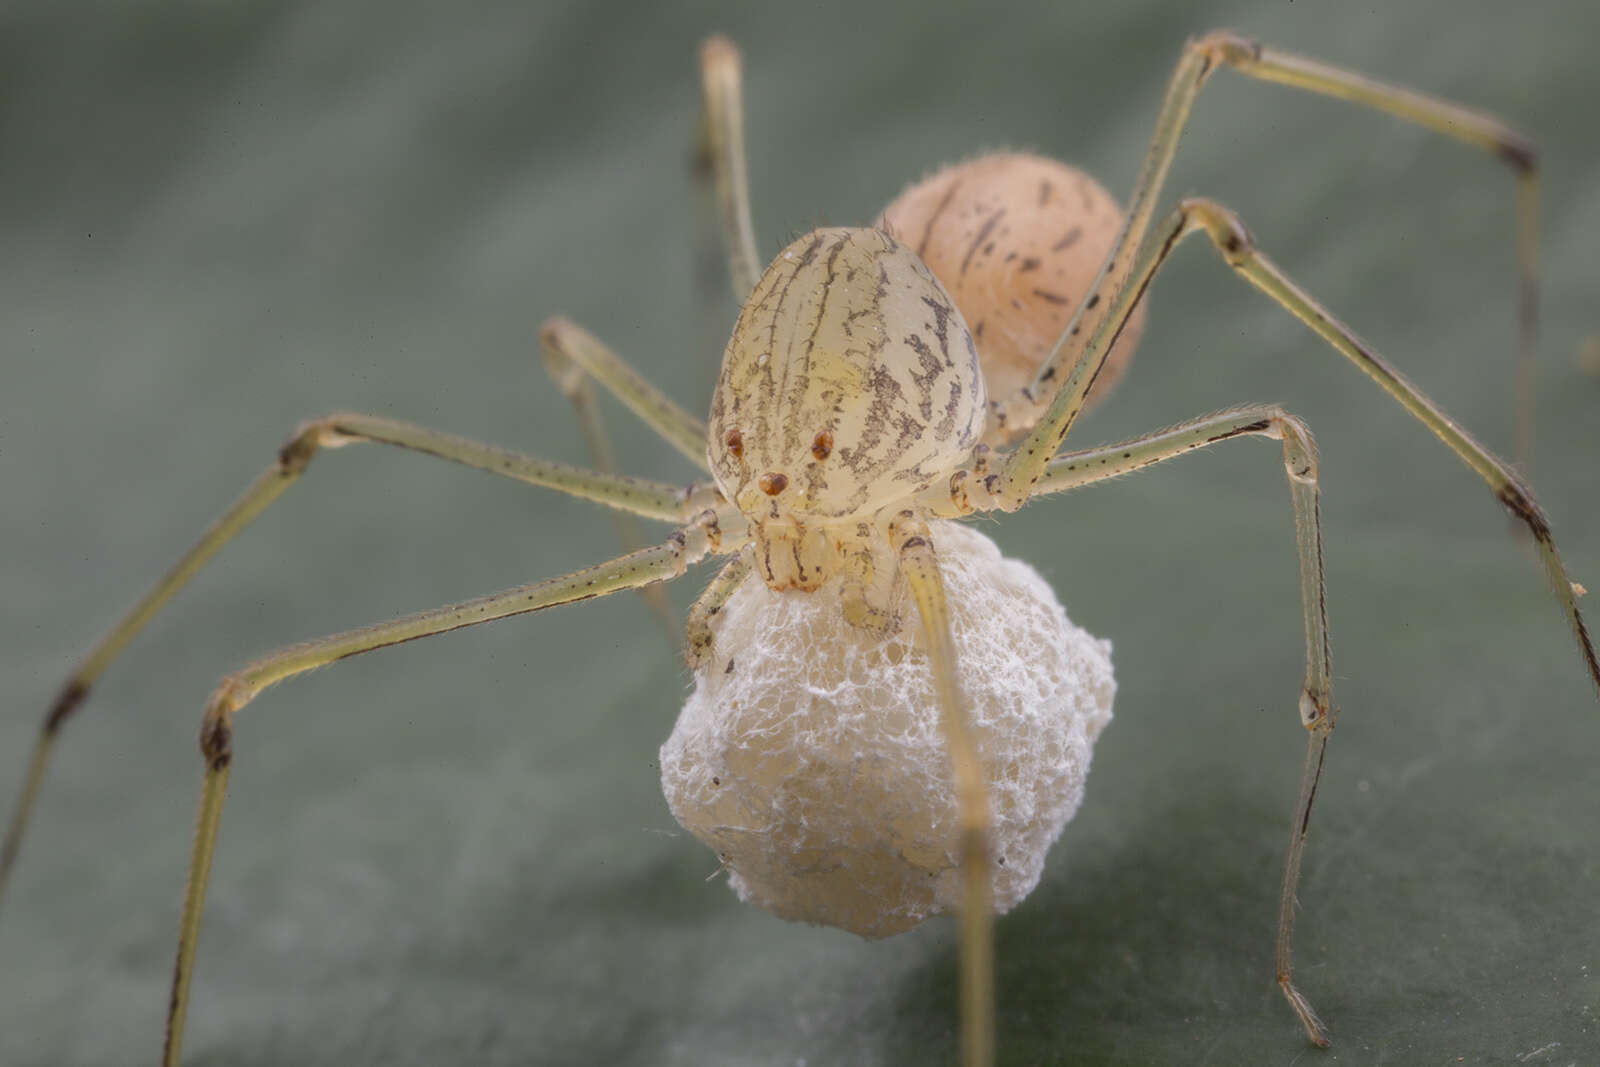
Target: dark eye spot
(822,445)
(773,484)
(735,443)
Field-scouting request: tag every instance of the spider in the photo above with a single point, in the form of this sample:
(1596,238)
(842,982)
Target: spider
(959,477)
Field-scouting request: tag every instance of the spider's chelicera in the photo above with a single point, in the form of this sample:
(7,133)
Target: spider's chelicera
(855,409)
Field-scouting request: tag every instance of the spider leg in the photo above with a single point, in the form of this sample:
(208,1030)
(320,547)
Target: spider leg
(1483,132)
(722,147)
(659,563)
(1201,57)
(697,640)
(578,388)
(651,499)
(570,350)
(1074,469)
(1022,469)
(913,546)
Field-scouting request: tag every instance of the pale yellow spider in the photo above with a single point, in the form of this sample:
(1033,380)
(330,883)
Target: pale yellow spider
(865,499)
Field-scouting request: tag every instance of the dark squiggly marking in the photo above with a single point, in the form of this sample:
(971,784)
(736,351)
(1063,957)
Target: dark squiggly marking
(983,235)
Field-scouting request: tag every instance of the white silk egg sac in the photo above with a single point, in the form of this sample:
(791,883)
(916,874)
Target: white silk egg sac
(809,755)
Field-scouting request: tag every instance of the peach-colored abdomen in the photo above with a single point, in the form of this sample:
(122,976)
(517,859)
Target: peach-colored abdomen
(1016,239)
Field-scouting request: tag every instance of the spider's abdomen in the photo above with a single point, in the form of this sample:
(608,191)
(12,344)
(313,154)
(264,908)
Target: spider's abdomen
(1018,239)
(850,381)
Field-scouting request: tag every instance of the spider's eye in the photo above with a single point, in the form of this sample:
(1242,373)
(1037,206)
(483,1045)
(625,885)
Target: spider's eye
(822,445)
(773,484)
(735,443)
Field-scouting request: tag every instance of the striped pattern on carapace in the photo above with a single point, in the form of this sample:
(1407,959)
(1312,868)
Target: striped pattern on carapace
(850,380)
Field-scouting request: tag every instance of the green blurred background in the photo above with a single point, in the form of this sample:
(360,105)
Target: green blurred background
(220,219)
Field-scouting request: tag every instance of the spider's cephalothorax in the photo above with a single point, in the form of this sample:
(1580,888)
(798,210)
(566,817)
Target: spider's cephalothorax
(850,382)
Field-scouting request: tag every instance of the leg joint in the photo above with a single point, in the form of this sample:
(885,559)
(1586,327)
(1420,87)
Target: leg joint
(1519,151)
(908,533)
(216,741)
(216,728)
(1521,504)
(554,335)
(329,431)
(1315,713)
(1227,47)
(295,455)
(1299,448)
(67,702)
(1224,228)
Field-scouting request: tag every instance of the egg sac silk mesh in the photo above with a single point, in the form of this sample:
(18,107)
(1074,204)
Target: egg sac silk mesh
(809,754)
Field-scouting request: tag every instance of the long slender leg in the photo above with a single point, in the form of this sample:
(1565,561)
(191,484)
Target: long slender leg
(1481,131)
(651,499)
(686,546)
(575,345)
(913,546)
(722,130)
(578,388)
(1074,469)
(1073,359)
(1021,470)
(697,641)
